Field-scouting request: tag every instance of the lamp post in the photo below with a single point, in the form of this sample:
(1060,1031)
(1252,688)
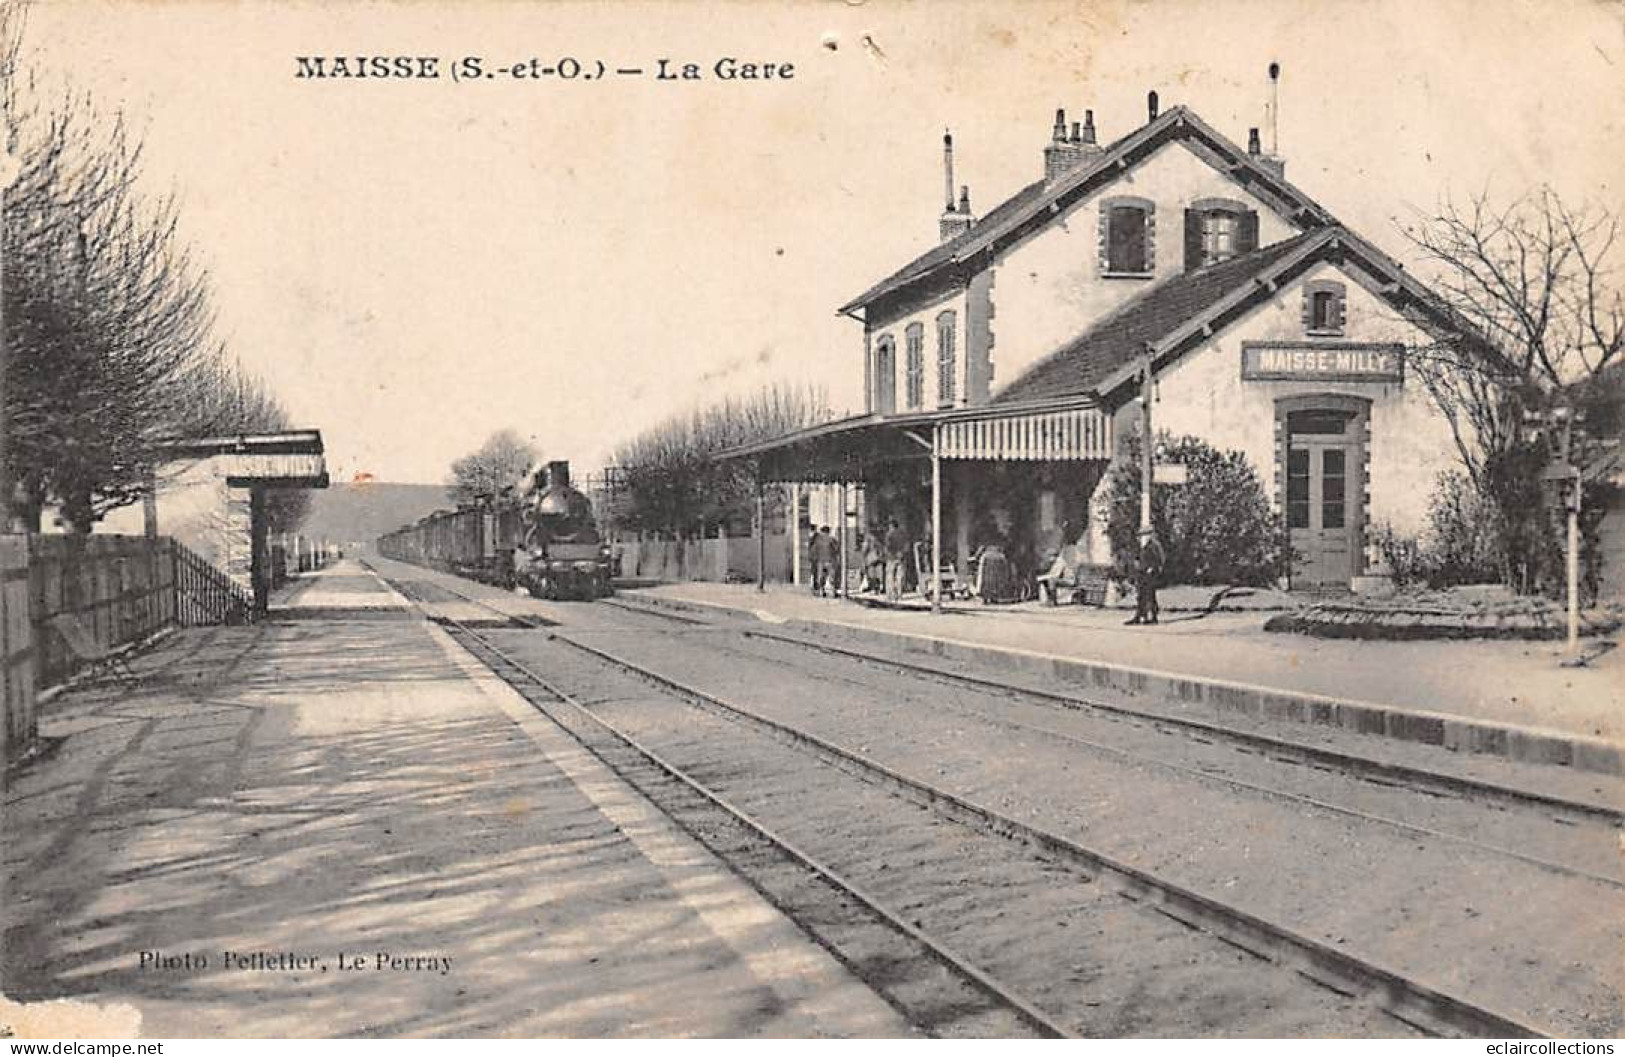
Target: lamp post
(1571,503)
(1566,475)
(1147,455)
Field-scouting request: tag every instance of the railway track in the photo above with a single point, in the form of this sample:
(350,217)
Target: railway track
(1365,768)
(1150,754)
(1408,1003)
(936,989)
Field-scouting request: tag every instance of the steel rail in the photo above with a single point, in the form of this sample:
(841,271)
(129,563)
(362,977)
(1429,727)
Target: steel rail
(1041,1024)
(1411,1001)
(1379,771)
(1188,772)
(949,959)
(1199,775)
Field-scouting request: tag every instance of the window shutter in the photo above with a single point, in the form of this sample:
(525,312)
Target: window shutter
(1308,307)
(1105,237)
(1337,310)
(1247,233)
(1193,240)
(1150,238)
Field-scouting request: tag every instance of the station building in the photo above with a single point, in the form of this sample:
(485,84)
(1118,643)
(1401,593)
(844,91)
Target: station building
(1004,366)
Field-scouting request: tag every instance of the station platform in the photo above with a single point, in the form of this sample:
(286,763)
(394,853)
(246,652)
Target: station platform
(331,824)
(1512,698)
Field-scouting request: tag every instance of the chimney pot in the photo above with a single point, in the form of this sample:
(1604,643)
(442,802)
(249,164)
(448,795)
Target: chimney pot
(1253,146)
(1059,132)
(1151,105)
(964,200)
(1077,133)
(1088,126)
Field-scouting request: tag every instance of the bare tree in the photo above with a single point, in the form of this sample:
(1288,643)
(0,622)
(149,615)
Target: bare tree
(1532,287)
(1536,278)
(674,486)
(107,319)
(502,462)
(104,313)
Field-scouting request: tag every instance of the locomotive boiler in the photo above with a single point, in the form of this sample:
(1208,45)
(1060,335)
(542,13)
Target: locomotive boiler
(561,555)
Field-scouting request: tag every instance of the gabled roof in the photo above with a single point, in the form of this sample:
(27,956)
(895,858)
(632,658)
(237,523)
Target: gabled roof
(1032,206)
(1182,311)
(1080,365)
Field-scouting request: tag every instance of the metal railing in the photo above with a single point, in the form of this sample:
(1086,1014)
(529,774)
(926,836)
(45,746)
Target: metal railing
(206,596)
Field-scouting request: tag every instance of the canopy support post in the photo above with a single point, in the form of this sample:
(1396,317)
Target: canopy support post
(761,532)
(840,585)
(795,533)
(936,519)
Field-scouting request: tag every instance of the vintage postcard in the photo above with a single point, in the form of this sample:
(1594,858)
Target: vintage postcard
(812,519)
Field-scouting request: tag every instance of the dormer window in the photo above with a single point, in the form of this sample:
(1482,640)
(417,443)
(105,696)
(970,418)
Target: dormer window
(914,373)
(1324,307)
(1127,236)
(1217,229)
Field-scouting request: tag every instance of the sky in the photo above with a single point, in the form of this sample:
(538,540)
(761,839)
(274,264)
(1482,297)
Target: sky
(414,264)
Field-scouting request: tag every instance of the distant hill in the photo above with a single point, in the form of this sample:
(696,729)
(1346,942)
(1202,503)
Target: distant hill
(361,512)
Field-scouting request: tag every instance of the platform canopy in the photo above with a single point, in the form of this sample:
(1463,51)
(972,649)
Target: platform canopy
(1051,431)
(291,459)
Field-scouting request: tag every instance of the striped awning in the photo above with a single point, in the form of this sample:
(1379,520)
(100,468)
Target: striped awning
(1075,433)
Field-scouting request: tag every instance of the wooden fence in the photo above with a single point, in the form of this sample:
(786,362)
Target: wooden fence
(720,559)
(17,647)
(120,588)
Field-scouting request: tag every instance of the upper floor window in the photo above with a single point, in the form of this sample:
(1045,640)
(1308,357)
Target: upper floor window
(885,375)
(1324,306)
(914,374)
(1127,236)
(945,358)
(1217,229)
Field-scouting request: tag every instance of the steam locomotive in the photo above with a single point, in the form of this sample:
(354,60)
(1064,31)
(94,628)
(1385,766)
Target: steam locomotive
(545,541)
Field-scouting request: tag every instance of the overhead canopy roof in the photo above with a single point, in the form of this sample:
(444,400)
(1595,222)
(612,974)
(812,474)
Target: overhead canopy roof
(290,459)
(844,450)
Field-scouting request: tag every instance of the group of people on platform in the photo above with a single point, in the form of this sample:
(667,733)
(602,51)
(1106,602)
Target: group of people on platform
(889,555)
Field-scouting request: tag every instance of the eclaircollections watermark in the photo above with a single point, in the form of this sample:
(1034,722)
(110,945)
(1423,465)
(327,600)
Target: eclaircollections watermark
(294,962)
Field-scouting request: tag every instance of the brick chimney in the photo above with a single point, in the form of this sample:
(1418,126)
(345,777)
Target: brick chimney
(1067,152)
(956,218)
(1268,161)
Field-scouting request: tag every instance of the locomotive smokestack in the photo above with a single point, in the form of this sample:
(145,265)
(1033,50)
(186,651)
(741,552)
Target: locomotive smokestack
(558,474)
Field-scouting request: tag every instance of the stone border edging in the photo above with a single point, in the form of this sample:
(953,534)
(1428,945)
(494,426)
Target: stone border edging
(1484,737)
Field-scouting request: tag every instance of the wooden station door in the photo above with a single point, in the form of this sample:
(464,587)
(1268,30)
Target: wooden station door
(1323,497)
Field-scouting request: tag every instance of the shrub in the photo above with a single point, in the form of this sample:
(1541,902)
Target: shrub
(1217,528)
(1465,535)
(1404,555)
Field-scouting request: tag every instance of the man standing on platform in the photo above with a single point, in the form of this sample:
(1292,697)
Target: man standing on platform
(1147,571)
(896,547)
(825,551)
